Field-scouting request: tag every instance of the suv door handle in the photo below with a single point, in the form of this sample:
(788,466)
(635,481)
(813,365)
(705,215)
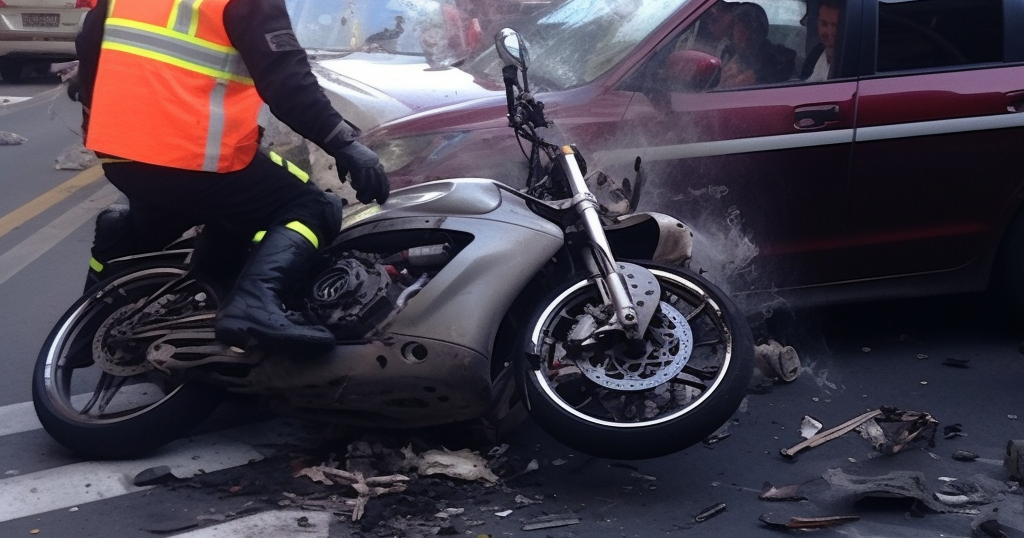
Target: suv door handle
(1015,101)
(814,117)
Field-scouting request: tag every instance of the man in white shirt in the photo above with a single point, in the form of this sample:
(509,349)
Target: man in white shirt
(819,62)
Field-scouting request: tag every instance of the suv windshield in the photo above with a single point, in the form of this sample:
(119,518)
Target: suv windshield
(579,40)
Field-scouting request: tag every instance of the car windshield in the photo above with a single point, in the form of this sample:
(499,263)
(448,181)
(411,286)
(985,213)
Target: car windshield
(444,32)
(579,40)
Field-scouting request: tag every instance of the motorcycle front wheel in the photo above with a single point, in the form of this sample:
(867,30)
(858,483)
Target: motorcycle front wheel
(93,389)
(624,404)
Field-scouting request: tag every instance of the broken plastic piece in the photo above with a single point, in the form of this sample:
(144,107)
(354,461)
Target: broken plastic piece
(709,512)
(784,493)
(809,426)
(805,522)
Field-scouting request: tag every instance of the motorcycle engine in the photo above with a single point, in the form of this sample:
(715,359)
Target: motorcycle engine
(351,297)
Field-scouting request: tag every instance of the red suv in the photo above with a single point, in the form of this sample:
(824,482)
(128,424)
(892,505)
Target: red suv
(829,150)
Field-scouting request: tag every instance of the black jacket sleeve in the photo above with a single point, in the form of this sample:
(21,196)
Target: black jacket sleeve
(262,33)
(87,46)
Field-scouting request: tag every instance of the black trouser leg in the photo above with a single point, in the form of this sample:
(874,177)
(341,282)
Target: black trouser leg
(254,311)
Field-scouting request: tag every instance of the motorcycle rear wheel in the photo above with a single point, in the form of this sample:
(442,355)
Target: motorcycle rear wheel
(124,408)
(609,405)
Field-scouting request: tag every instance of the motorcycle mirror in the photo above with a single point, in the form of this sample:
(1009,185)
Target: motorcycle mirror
(512,49)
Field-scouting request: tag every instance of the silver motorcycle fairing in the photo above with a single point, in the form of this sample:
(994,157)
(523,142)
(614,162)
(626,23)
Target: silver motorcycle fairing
(651,236)
(464,196)
(431,362)
(406,382)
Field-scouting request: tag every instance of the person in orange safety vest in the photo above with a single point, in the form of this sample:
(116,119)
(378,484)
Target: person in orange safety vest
(171,90)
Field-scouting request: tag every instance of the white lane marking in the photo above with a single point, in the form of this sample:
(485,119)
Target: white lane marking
(46,238)
(18,418)
(11,100)
(85,482)
(21,417)
(276,523)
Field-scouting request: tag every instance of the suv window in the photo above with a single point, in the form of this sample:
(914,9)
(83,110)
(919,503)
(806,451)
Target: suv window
(927,34)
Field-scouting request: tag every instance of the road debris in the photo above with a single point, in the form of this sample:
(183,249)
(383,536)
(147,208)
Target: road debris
(889,429)
(153,475)
(809,426)
(463,464)
(964,455)
(11,139)
(776,361)
(953,431)
(547,522)
(716,438)
(784,493)
(804,523)
(709,512)
(1014,460)
(892,487)
(76,157)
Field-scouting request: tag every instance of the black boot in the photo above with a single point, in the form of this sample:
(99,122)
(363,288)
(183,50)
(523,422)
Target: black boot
(113,238)
(253,309)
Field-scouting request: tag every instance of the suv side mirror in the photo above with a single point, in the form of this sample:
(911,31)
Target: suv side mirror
(691,70)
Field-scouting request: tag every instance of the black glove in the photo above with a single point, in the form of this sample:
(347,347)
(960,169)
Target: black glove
(75,88)
(368,177)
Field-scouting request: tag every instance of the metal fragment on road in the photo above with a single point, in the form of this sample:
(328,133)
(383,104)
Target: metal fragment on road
(716,438)
(709,512)
(805,523)
(547,522)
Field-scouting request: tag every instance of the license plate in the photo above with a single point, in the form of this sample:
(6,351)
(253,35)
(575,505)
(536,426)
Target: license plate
(40,20)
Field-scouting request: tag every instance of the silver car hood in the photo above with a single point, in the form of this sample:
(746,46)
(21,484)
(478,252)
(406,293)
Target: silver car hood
(372,88)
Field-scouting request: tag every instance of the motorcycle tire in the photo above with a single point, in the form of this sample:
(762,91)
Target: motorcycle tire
(113,404)
(678,393)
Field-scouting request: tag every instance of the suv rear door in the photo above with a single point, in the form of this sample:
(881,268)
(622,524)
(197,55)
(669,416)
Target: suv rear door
(940,111)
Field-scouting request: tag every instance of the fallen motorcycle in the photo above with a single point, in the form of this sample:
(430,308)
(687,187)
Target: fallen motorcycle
(454,298)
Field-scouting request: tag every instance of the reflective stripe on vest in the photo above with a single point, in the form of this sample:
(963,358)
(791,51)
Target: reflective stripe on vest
(171,90)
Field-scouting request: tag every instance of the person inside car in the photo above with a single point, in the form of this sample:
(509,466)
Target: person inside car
(714,29)
(753,58)
(819,62)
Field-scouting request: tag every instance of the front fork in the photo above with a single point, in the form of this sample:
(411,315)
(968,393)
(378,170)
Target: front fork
(613,281)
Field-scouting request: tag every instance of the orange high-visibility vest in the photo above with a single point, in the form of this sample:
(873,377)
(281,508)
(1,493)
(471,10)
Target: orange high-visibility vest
(171,90)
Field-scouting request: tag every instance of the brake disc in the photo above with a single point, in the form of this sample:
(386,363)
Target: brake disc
(668,342)
(113,349)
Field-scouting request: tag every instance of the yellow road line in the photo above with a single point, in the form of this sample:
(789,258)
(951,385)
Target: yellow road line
(47,200)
